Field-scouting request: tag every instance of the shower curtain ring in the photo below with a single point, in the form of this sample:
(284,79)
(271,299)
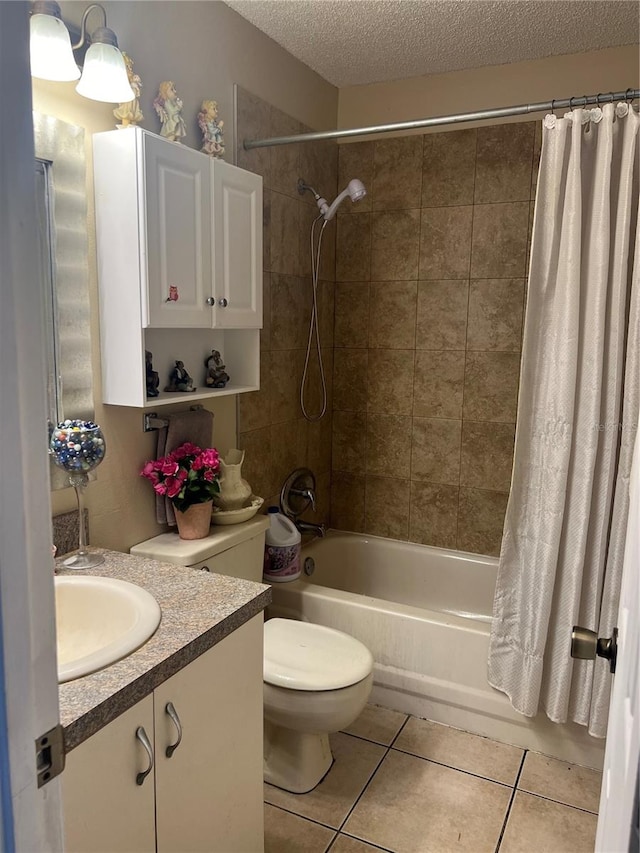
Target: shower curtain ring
(553,106)
(571,99)
(628,95)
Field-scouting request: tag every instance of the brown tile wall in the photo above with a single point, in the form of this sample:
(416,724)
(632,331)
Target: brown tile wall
(429,297)
(272,431)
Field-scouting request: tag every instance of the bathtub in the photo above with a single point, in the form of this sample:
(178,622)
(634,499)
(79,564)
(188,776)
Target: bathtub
(425,614)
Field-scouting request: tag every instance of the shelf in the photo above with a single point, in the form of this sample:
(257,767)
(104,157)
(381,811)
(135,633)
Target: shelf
(168,399)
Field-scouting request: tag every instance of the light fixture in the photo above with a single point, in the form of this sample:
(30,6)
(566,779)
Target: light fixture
(50,44)
(104,75)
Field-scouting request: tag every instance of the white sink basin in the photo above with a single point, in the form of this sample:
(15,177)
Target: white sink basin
(99,621)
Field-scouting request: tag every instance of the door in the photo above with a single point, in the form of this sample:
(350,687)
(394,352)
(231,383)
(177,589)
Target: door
(106,810)
(237,247)
(209,789)
(30,817)
(177,204)
(623,734)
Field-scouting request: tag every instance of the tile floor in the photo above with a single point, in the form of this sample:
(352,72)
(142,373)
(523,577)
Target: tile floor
(407,785)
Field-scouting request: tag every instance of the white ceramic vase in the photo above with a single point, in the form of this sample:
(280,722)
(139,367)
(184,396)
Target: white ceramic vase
(234,491)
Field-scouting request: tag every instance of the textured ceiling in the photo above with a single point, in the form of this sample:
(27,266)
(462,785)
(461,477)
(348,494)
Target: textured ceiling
(367,41)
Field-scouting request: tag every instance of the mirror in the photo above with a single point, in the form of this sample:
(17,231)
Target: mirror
(62,245)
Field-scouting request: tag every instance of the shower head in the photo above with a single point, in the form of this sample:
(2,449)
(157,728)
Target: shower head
(355,190)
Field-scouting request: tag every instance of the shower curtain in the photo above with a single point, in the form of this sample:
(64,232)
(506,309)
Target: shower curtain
(563,542)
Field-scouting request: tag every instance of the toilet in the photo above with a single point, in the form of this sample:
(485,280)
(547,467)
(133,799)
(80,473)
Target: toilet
(316,680)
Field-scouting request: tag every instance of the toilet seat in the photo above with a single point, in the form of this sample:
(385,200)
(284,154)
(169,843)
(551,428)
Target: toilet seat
(304,656)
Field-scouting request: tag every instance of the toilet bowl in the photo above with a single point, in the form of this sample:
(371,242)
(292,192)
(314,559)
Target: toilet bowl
(316,681)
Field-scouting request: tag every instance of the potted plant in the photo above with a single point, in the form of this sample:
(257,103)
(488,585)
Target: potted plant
(188,477)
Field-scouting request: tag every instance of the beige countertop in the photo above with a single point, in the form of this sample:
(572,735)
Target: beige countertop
(199,609)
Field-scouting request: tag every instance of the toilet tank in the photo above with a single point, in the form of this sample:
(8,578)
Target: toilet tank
(236,550)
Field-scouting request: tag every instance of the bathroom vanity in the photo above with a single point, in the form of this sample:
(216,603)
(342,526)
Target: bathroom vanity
(164,748)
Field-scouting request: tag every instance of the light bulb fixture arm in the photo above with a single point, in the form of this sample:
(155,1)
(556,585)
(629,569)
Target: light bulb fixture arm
(102,35)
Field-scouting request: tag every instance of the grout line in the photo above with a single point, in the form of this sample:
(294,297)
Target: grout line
(511,799)
(558,802)
(451,767)
(399,732)
(363,841)
(297,814)
(368,782)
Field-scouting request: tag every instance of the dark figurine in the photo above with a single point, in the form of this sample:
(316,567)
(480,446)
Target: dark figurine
(216,377)
(179,379)
(153,380)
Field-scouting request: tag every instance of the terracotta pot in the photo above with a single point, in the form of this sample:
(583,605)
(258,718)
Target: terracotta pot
(195,521)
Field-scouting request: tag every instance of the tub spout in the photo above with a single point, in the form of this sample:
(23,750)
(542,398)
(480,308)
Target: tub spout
(308,527)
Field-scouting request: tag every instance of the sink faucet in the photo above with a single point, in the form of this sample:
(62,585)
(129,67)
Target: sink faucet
(308,527)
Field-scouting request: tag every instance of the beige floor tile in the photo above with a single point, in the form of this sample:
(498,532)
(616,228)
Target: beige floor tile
(288,833)
(546,827)
(565,783)
(415,805)
(331,800)
(377,724)
(461,750)
(346,844)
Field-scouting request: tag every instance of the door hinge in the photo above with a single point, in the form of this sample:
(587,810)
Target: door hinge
(50,755)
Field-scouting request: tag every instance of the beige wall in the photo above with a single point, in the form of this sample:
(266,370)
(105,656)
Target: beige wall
(205,48)
(613,69)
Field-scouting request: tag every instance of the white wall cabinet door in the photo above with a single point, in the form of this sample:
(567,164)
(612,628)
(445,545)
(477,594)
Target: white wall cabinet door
(237,247)
(209,792)
(105,810)
(177,205)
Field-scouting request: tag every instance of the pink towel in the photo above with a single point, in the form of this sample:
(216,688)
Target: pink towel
(194,426)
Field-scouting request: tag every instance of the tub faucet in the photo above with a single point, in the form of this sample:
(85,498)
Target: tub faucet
(309,494)
(308,527)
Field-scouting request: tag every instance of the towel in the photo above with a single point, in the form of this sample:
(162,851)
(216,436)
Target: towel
(195,426)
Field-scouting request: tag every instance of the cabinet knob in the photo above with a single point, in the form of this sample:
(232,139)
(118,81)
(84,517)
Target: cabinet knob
(223,302)
(175,719)
(210,300)
(141,735)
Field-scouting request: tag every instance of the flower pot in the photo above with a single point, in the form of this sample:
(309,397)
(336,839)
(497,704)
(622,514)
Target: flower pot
(234,491)
(195,521)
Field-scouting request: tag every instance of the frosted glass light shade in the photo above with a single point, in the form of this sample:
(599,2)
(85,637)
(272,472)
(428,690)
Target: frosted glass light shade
(104,76)
(50,48)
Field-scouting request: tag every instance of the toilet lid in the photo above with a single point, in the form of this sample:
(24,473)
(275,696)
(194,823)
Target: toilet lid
(303,656)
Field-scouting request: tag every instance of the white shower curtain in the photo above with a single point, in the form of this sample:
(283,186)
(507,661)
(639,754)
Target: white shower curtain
(563,543)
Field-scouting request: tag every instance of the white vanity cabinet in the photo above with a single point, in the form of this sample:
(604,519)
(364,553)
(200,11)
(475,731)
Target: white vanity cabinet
(179,240)
(205,796)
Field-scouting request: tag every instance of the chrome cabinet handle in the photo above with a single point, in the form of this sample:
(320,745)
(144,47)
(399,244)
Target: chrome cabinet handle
(175,719)
(211,300)
(223,302)
(144,740)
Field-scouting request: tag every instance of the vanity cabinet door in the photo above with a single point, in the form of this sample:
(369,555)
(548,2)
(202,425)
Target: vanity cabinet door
(209,792)
(105,810)
(237,247)
(177,204)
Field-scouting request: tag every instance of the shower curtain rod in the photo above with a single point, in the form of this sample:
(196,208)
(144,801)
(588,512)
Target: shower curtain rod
(503,112)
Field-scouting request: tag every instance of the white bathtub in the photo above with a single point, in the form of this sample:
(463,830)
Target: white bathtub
(425,613)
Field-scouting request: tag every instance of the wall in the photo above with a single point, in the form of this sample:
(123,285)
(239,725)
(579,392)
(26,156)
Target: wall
(273,432)
(430,285)
(613,69)
(204,48)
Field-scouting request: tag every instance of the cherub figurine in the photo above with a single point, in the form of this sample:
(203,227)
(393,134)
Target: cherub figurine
(169,108)
(216,377)
(179,379)
(153,381)
(129,113)
(212,141)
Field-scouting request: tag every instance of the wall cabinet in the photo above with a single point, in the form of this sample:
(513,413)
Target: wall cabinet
(179,239)
(206,795)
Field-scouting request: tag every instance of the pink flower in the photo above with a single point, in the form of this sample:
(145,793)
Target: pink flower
(147,470)
(198,463)
(169,467)
(174,486)
(182,474)
(160,488)
(209,475)
(210,458)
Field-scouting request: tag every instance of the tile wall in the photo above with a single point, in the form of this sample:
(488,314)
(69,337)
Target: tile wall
(429,297)
(272,431)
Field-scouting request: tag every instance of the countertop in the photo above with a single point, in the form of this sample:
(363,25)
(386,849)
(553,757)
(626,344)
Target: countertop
(199,609)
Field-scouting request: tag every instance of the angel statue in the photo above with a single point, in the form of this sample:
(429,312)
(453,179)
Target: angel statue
(168,106)
(129,113)
(212,141)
